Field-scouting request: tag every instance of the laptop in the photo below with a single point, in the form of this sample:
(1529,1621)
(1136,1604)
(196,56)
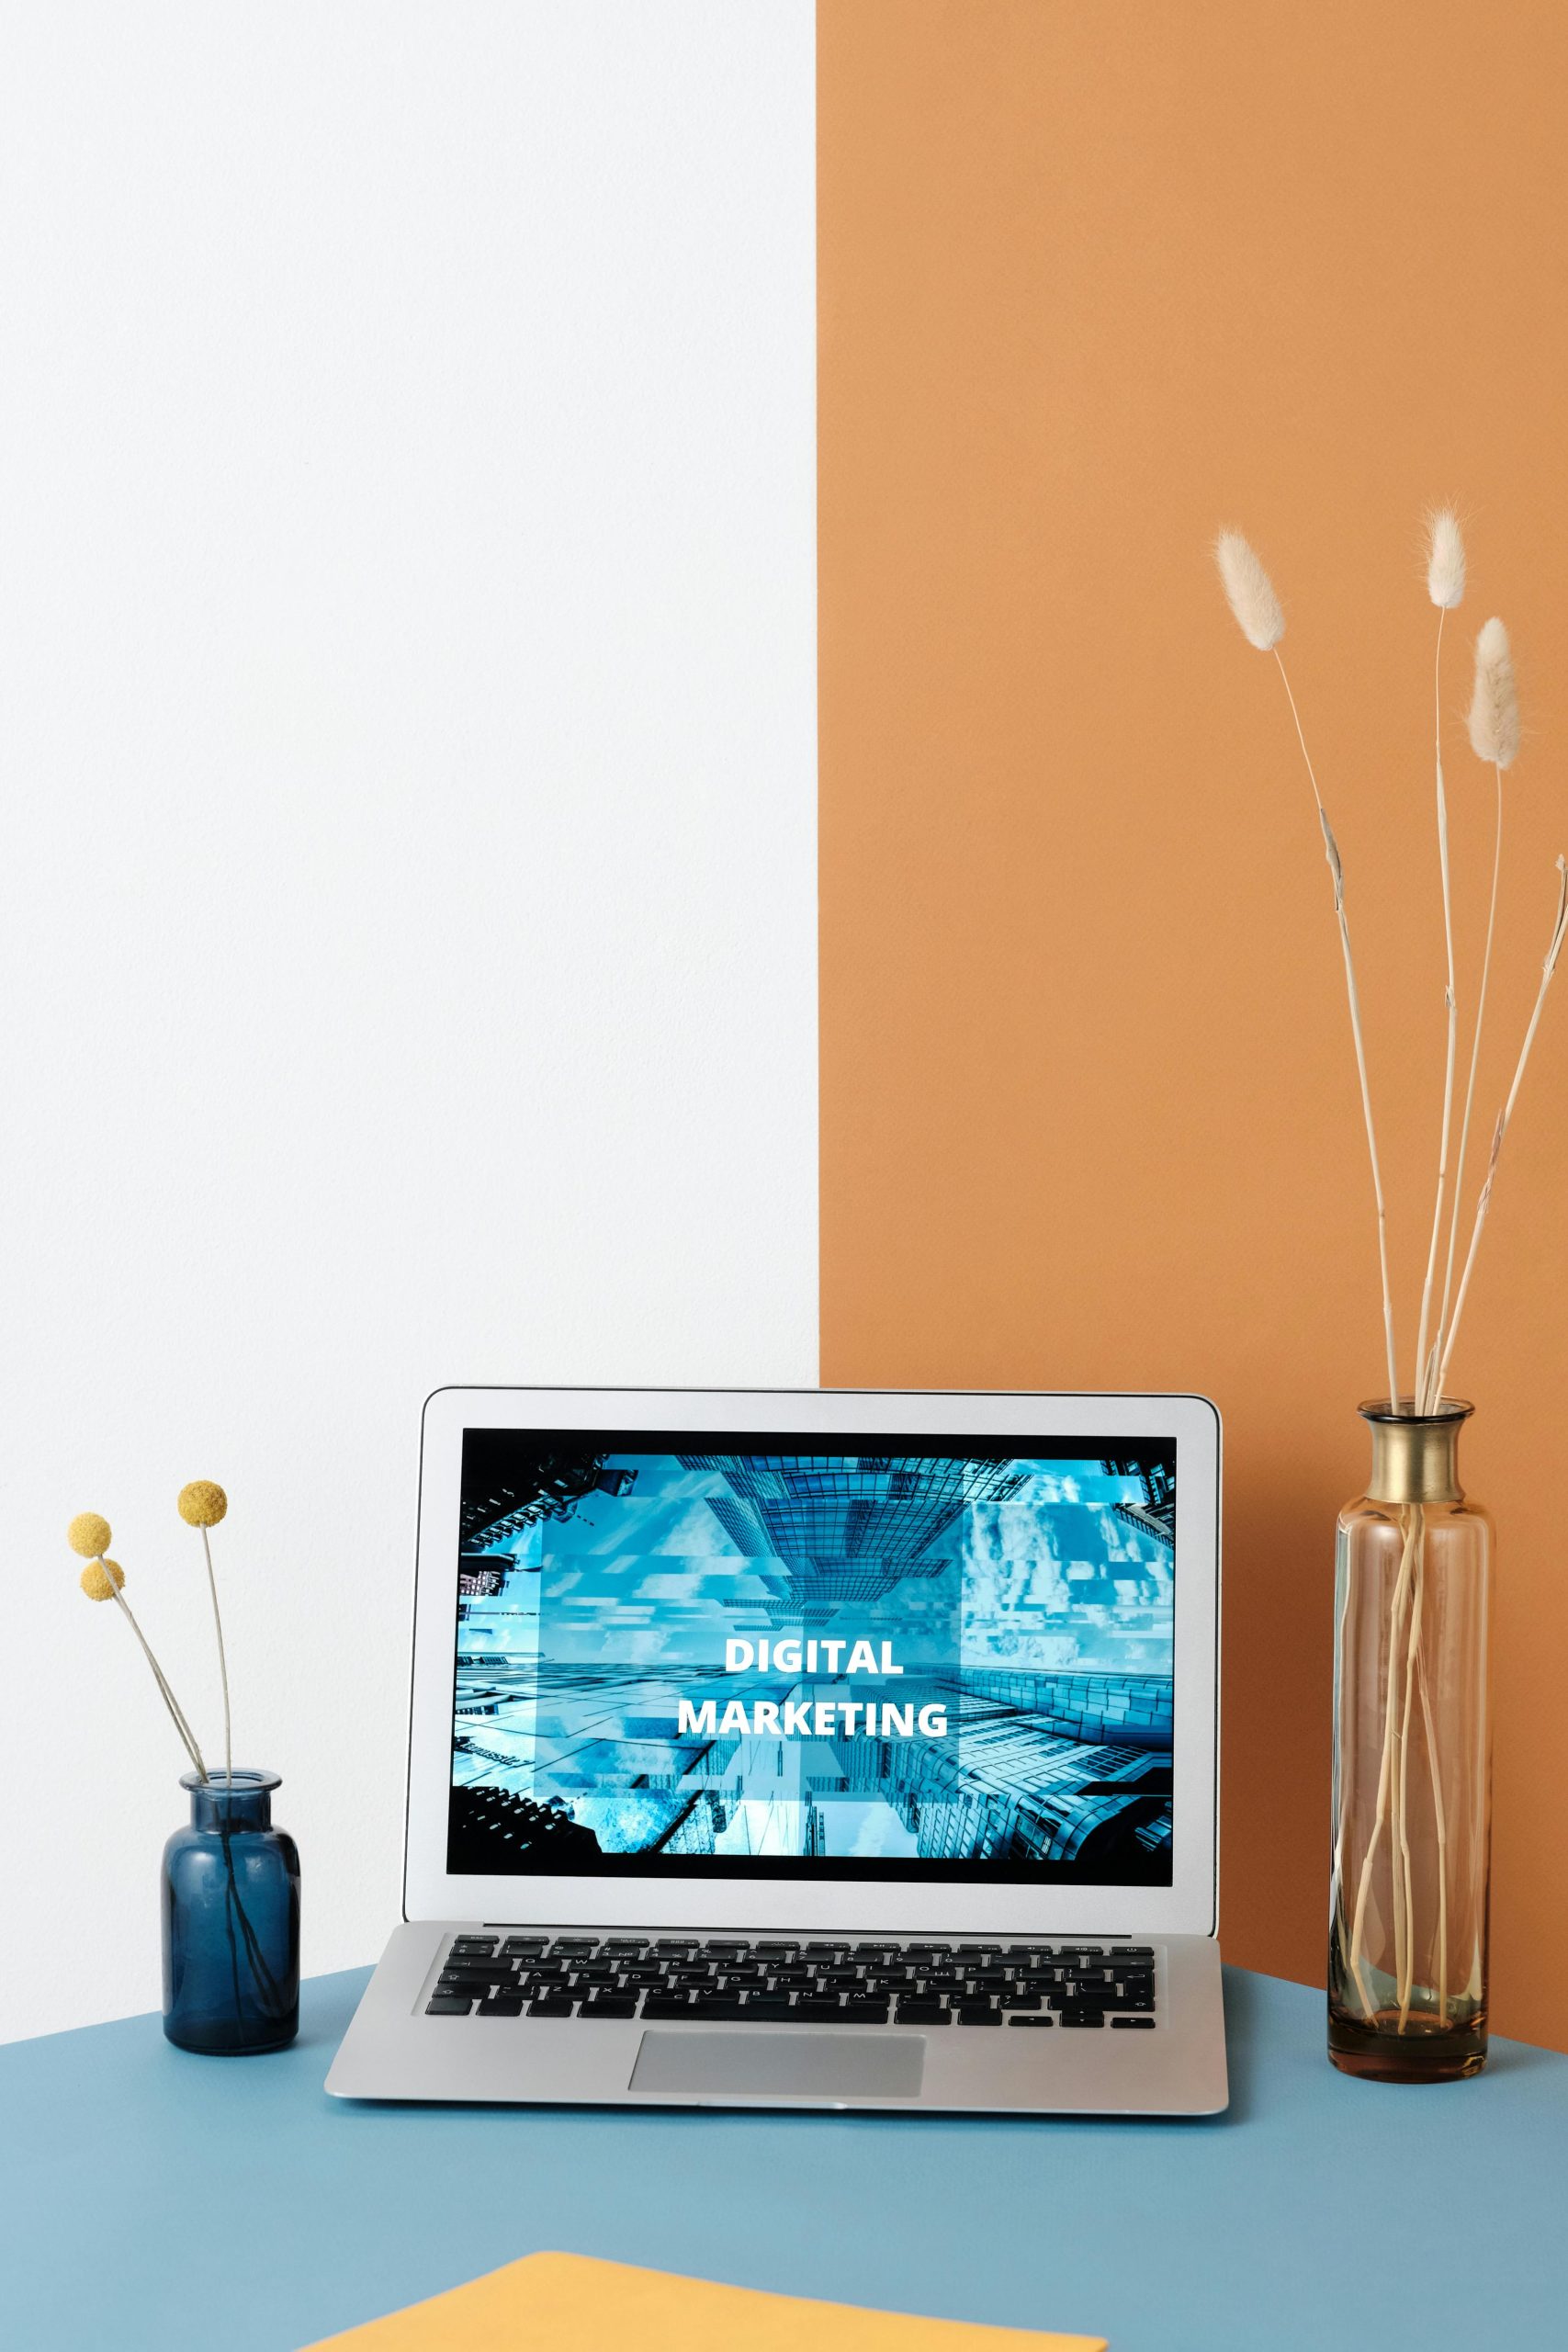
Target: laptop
(840,1748)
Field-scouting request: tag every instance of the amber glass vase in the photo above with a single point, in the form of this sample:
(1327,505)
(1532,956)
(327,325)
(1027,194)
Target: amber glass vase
(1412,1761)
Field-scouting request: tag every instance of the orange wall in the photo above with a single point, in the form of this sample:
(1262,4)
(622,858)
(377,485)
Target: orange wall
(1092,282)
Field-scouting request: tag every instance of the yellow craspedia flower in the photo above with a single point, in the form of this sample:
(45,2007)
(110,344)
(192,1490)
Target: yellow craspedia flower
(101,1579)
(202,1503)
(90,1535)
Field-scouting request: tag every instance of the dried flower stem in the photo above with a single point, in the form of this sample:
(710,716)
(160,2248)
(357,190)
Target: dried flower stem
(1405,1962)
(176,1712)
(1331,849)
(1475,1061)
(1410,1523)
(1554,948)
(222,1661)
(1426,1370)
(1343,1823)
(1440,1822)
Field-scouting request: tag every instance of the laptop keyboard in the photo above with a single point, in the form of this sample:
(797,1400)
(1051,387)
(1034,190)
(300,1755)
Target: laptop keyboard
(732,1979)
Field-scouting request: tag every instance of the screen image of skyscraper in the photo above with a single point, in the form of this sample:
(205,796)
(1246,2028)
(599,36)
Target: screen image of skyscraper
(732,1655)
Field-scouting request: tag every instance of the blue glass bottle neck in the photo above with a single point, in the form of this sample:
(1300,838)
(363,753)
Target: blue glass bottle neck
(244,1804)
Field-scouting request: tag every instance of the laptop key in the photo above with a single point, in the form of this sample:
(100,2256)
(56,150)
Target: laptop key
(609,2005)
(1044,2020)
(969,2014)
(667,2004)
(1127,2022)
(506,2005)
(448,2004)
(919,2013)
(551,2008)
(1020,2000)
(1083,2017)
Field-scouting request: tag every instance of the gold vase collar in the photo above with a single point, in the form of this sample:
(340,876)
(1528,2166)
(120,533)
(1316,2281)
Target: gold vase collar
(1415,1455)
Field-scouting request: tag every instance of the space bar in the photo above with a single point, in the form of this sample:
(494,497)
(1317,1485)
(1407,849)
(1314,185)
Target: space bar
(660,2007)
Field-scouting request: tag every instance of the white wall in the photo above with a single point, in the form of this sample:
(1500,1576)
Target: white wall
(407,838)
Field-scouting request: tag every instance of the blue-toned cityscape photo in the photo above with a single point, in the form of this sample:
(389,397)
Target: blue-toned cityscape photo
(852,1664)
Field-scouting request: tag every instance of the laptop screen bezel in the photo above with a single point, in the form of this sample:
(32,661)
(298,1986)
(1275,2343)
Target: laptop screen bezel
(1189,1905)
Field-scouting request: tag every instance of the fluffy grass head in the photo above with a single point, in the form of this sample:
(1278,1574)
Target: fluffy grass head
(1445,559)
(1494,704)
(1250,591)
(101,1579)
(89,1534)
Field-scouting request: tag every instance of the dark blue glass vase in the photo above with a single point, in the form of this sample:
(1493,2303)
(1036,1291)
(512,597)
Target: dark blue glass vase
(230,1920)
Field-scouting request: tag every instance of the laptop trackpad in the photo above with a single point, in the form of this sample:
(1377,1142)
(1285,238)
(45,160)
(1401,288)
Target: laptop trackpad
(781,2065)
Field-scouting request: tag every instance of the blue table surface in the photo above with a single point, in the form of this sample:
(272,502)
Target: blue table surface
(152,2199)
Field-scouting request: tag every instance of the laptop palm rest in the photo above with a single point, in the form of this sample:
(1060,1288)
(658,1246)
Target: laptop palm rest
(777,2064)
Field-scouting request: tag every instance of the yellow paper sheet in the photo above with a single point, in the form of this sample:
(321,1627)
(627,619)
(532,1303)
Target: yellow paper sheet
(565,2302)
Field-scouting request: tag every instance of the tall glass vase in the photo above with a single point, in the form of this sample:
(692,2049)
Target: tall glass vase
(1412,1759)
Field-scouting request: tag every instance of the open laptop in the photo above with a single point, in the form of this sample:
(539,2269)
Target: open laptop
(809,1749)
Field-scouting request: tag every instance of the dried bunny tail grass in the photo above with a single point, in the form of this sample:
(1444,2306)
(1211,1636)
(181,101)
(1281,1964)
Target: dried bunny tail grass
(1475,1068)
(1445,559)
(1250,591)
(1445,581)
(1336,870)
(1549,966)
(1495,705)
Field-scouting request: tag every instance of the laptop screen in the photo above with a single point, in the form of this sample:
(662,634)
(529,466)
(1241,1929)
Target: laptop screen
(704,1655)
